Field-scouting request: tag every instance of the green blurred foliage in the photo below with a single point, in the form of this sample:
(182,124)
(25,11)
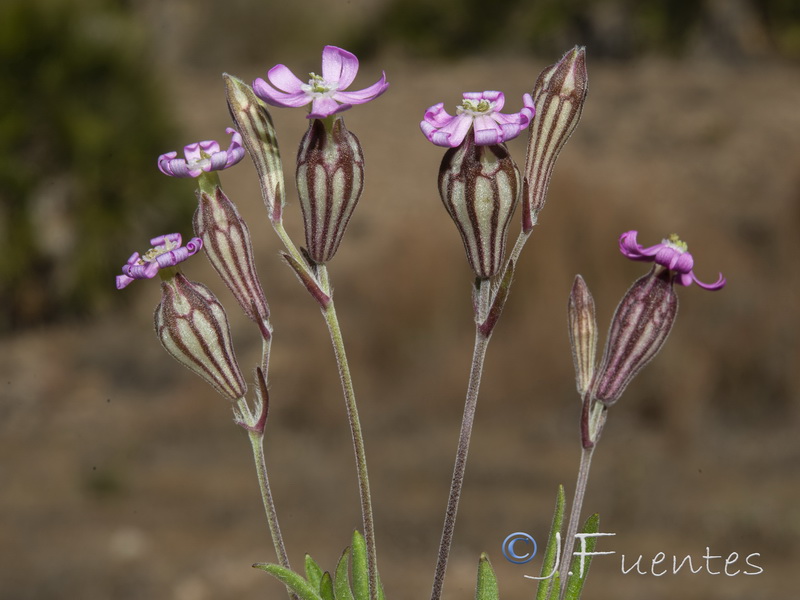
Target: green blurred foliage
(81,125)
(620,29)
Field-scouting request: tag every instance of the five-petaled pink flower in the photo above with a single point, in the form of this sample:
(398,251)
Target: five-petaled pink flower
(202,157)
(481,111)
(166,252)
(324,92)
(671,253)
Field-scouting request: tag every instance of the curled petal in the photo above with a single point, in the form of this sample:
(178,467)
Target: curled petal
(166,252)
(481,109)
(671,254)
(202,157)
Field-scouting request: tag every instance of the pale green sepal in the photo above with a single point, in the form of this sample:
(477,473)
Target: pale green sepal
(576,581)
(313,572)
(341,582)
(326,587)
(360,572)
(486,589)
(293,581)
(543,592)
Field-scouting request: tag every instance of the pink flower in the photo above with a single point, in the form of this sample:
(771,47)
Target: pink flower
(166,252)
(481,111)
(324,92)
(202,157)
(671,254)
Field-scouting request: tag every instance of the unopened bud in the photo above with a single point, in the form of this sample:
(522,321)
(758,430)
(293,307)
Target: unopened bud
(193,328)
(559,94)
(639,328)
(582,333)
(480,188)
(226,239)
(330,178)
(255,125)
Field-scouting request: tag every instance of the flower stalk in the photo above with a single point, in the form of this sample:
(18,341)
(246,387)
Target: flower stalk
(332,321)
(482,337)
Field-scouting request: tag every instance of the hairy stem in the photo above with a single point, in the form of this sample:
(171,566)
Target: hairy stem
(355,430)
(257,445)
(470,405)
(596,418)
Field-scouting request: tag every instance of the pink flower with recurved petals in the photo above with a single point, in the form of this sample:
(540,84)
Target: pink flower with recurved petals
(480,111)
(671,254)
(166,252)
(202,157)
(324,92)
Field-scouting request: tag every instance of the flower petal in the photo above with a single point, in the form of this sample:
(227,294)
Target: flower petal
(282,78)
(437,116)
(487,131)
(719,283)
(324,106)
(276,98)
(339,66)
(365,95)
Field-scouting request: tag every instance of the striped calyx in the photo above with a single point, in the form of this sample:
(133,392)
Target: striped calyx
(330,178)
(582,333)
(480,187)
(258,134)
(559,94)
(193,328)
(639,328)
(226,240)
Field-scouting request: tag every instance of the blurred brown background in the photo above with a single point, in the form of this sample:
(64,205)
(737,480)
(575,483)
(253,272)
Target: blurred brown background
(122,475)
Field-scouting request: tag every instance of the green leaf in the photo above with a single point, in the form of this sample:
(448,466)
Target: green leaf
(313,572)
(326,587)
(553,550)
(341,582)
(578,578)
(294,581)
(360,572)
(486,589)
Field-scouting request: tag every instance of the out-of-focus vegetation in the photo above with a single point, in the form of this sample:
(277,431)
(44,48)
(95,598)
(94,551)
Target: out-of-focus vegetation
(81,125)
(620,29)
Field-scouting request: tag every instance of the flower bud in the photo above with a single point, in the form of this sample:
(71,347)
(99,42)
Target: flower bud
(330,178)
(255,125)
(226,239)
(193,328)
(582,333)
(639,328)
(480,187)
(559,94)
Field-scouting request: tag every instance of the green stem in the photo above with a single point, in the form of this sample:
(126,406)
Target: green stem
(470,405)
(289,244)
(257,445)
(355,429)
(575,515)
(596,420)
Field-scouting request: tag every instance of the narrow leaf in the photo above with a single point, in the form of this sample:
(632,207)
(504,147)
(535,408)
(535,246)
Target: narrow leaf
(341,582)
(326,587)
(486,589)
(292,580)
(360,572)
(578,577)
(552,551)
(313,572)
